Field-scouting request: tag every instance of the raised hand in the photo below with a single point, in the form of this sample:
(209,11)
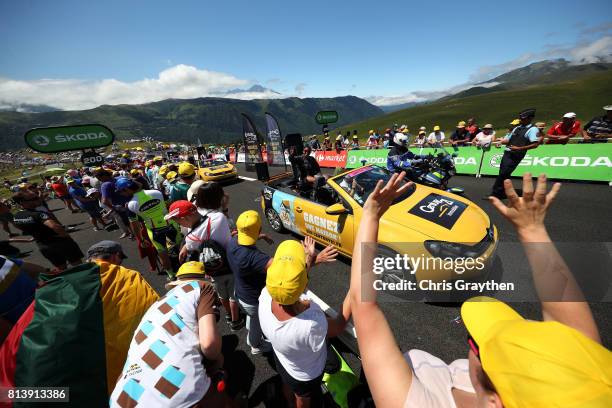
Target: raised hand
(328,254)
(381,198)
(527,213)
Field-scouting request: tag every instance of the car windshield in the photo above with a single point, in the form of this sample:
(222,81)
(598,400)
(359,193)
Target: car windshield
(361,182)
(213,162)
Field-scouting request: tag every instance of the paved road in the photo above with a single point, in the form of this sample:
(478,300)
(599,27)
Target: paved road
(581,214)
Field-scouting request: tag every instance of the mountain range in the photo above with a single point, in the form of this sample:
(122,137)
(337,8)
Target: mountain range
(212,120)
(553,87)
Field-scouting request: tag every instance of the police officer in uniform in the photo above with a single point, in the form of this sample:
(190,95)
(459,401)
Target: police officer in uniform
(522,138)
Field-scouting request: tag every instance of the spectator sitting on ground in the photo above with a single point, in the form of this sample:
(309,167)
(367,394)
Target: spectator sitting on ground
(512,362)
(598,129)
(178,358)
(435,138)
(461,136)
(485,137)
(561,132)
(296,326)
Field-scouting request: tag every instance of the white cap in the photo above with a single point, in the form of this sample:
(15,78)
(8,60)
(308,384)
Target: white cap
(193,190)
(92,191)
(570,115)
(608,107)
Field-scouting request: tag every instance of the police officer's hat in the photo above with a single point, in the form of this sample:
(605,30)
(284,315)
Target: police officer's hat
(527,113)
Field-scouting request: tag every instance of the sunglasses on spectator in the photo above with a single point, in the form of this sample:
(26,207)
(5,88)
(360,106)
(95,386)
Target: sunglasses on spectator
(473,346)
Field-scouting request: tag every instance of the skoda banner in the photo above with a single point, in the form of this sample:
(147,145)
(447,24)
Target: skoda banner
(592,162)
(64,138)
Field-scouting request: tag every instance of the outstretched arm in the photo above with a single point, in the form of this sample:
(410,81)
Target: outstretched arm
(389,375)
(551,276)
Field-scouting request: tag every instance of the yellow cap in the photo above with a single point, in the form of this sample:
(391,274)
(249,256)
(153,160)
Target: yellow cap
(461,124)
(286,278)
(134,172)
(157,158)
(537,364)
(148,163)
(515,122)
(371,132)
(191,269)
(249,227)
(186,169)
(436,128)
(405,130)
(163,170)
(171,175)
(125,155)
(339,137)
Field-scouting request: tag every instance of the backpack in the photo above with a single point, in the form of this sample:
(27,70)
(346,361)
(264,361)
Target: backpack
(212,255)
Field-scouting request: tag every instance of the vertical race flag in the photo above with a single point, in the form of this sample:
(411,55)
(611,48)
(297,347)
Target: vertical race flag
(252,149)
(274,142)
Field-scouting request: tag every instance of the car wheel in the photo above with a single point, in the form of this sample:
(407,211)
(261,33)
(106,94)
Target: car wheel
(397,276)
(274,220)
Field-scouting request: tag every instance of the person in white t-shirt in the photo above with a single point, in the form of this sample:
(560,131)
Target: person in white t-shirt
(296,327)
(485,137)
(435,138)
(203,224)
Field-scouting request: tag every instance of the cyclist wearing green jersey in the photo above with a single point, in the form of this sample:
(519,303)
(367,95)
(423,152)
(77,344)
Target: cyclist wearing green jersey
(148,207)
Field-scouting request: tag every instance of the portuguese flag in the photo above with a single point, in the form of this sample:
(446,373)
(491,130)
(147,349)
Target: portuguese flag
(76,333)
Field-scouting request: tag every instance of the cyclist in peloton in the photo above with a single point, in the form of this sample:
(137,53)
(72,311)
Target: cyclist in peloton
(148,207)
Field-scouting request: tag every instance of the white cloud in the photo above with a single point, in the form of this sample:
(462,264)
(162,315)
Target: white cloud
(299,88)
(179,81)
(599,50)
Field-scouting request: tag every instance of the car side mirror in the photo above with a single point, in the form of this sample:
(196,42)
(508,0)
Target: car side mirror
(336,209)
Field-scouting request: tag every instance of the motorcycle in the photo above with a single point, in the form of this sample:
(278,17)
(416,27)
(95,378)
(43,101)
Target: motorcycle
(435,170)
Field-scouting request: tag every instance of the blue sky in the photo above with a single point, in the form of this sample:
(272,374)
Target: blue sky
(310,48)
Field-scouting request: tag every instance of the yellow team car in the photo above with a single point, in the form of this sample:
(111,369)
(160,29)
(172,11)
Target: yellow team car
(436,230)
(216,170)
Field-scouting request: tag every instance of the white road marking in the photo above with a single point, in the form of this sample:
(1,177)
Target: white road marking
(329,311)
(247,178)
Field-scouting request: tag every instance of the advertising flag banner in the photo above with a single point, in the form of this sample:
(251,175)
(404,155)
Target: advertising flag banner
(251,143)
(274,144)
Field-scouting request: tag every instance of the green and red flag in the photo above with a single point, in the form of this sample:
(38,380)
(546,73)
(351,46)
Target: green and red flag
(77,331)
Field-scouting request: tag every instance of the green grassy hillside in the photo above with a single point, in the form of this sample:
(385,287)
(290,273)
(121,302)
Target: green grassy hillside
(585,96)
